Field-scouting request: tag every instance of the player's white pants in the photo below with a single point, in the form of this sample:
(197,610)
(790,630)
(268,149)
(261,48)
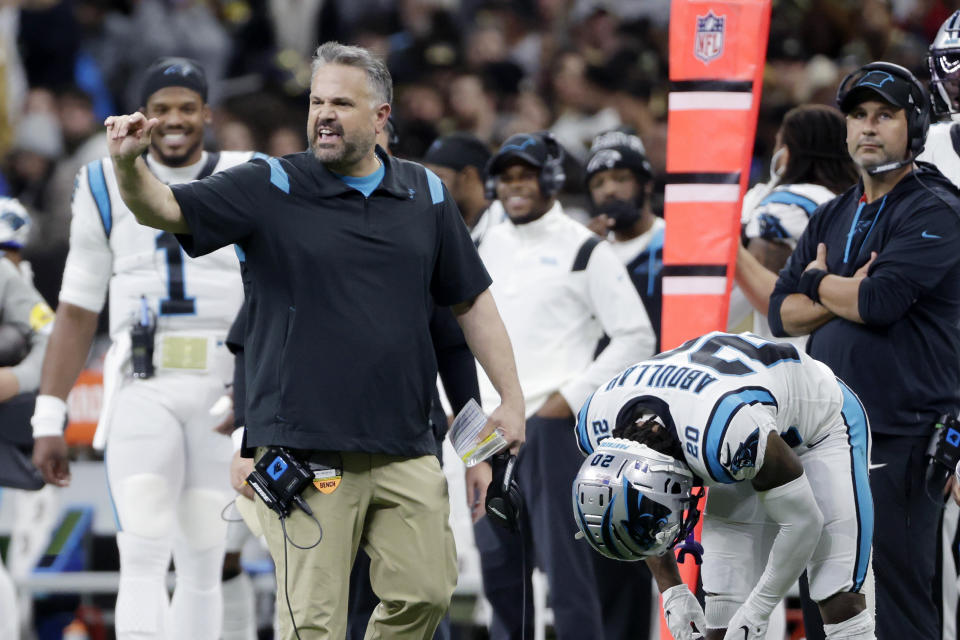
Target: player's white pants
(737,536)
(950,572)
(9,619)
(239,600)
(168,474)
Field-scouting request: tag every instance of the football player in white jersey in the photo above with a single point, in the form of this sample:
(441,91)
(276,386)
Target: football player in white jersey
(167,469)
(942,148)
(783,446)
(810,166)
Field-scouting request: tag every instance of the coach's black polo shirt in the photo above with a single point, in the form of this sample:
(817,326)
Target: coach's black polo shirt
(337,348)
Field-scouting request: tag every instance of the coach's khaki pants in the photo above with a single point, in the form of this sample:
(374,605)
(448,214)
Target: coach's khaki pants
(397,509)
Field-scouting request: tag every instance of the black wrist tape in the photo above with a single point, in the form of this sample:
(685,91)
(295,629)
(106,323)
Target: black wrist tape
(809,284)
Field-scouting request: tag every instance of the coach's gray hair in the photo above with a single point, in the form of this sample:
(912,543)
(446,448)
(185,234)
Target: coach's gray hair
(378,77)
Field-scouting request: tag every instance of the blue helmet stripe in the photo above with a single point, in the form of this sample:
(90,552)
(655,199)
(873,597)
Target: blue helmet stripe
(583,437)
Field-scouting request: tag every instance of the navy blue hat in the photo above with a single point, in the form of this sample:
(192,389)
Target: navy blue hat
(173,72)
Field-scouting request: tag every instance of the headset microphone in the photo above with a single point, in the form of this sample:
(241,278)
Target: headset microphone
(890,166)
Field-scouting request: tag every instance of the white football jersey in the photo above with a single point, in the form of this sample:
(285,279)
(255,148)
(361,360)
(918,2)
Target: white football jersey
(781,214)
(938,149)
(725,393)
(110,249)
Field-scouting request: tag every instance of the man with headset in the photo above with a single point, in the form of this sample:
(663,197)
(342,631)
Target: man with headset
(559,288)
(875,281)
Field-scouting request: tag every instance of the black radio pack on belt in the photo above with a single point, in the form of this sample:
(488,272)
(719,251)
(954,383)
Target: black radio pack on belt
(141,341)
(504,501)
(278,478)
(943,452)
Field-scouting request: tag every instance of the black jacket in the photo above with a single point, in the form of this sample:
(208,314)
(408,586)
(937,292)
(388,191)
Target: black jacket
(904,361)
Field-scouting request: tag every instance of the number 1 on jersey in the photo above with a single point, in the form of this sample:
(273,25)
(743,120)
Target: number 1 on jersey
(177,302)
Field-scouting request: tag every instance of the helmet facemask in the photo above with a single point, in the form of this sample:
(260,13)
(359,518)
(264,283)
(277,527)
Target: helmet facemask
(944,63)
(631,502)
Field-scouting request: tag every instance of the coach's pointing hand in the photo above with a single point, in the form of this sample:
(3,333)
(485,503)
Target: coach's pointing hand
(129,136)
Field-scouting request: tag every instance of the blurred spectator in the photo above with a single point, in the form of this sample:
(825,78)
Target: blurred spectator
(13,80)
(234,135)
(530,113)
(37,146)
(485,44)
(876,36)
(581,114)
(30,170)
(83,141)
(300,24)
(48,41)
(473,108)
(157,28)
(286,139)
(77,120)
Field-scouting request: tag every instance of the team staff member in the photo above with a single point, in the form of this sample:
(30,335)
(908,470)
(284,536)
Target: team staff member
(345,247)
(619,183)
(560,288)
(875,281)
(166,467)
(460,160)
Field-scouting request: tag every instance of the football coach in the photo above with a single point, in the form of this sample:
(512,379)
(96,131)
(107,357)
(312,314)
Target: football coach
(346,247)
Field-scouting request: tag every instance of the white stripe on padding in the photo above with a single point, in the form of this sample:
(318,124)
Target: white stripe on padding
(694,285)
(702,193)
(709,100)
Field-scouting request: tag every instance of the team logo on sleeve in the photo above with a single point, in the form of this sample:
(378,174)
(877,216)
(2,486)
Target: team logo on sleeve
(708,44)
(745,456)
(771,228)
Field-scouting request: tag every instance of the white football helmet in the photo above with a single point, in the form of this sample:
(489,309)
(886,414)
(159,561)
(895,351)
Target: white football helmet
(631,502)
(14,224)
(944,61)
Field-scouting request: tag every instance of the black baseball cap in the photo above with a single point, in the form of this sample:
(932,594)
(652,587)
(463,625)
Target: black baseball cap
(173,72)
(458,150)
(876,83)
(615,150)
(527,147)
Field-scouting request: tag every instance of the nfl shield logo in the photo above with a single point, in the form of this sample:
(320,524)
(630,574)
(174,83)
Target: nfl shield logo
(709,41)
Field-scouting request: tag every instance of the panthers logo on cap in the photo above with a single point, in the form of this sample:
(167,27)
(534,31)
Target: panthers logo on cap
(604,159)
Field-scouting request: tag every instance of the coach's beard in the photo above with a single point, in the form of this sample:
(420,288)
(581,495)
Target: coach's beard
(350,152)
